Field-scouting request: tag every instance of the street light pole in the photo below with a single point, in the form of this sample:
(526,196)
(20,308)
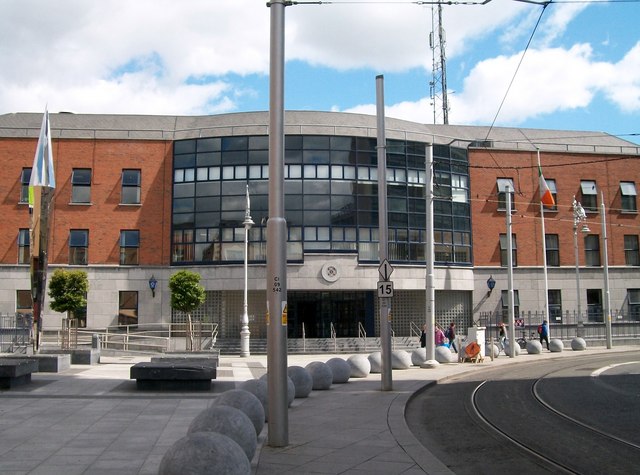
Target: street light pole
(244,331)
(578,216)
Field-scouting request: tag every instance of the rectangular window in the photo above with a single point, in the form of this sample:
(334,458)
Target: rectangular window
(502,195)
(24,248)
(594,305)
(25,177)
(128,307)
(130,187)
(555,305)
(553,249)
(129,247)
(503,250)
(592,250)
(24,304)
(554,192)
(504,294)
(631,250)
(589,196)
(633,297)
(628,197)
(78,247)
(81,185)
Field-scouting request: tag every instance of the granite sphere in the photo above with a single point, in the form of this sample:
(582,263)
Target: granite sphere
(229,421)
(302,380)
(321,374)
(291,388)
(400,359)
(375,361)
(246,402)
(489,348)
(258,388)
(507,349)
(197,453)
(418,356)
(360,366)
(340,369)
(556,345)
(578,344)
(534,347)
(443,355)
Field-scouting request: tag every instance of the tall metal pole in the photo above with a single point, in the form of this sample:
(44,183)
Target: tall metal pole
(607,294)
(544,263)
(277,240)
(430,313)
(244,331)
(578,216)
(383,231)
(510,302)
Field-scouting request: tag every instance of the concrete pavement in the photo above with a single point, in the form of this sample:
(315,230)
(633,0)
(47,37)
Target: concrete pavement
(92,420)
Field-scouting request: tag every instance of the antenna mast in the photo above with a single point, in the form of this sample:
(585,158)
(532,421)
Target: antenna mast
(438,84)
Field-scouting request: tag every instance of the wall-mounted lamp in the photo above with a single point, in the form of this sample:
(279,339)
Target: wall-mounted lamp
(152,285)
(491,283)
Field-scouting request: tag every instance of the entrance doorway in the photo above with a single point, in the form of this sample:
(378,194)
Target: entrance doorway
(315,312)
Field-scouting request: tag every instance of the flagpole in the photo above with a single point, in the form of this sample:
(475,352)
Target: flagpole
(544,262)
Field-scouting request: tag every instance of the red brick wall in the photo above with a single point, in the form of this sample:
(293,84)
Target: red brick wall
(567,170)
(105,217)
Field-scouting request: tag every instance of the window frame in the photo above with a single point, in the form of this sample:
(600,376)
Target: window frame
(25,179)
(631,250)
(81,186)
(501,184)
(592,250)
(129,247)
(589,195)
(78,250)
(131,187)
(628,200)
(552,252)
(124,298)
(24,246)
(503,250)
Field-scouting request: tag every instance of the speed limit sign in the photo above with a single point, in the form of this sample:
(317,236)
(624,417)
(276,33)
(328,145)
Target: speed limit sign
(385,288)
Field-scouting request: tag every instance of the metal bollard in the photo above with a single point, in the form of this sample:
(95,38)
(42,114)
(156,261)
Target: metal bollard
(95,341)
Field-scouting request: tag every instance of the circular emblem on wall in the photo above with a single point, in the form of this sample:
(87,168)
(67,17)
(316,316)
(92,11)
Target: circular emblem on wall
(330,273)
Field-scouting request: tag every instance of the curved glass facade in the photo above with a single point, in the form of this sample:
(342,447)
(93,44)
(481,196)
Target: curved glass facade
(331,199)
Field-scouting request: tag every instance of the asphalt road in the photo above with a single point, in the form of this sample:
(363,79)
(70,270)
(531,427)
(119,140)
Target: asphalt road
(467,421)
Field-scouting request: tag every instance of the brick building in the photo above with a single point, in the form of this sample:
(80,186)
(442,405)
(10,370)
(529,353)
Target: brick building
(141,196)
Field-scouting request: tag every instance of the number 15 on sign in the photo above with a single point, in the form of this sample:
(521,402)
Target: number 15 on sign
(385,288)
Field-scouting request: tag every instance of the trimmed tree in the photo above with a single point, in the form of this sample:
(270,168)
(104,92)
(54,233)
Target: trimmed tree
(186,295)
(68,293)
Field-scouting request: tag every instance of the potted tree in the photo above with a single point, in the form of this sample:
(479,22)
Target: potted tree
(68,293)
(186,295)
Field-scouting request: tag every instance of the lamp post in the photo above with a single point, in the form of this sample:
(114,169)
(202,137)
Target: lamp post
(244,331)
(578,216)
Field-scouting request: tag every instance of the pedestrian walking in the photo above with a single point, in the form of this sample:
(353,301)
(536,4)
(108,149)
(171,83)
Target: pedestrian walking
(423,336)
(451,336)
(543,330)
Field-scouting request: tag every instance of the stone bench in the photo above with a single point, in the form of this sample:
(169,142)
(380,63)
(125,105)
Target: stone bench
(14,372)
(195,358)
(82,356)
(180,376)
(53,363)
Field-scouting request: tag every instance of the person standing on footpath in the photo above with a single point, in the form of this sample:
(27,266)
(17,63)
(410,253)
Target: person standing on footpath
(439,336)
(543,330)
(451,335)
(423,336)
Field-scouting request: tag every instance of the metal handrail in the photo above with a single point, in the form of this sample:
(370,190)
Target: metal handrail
(393,338)
(334,337)
(414,330)
(304,339)
(362,334)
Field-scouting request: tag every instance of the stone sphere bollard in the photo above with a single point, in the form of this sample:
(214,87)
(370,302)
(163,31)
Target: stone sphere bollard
(443,354)
(258,388)
(507,349)
(291,388)
(197,453)
(418,356)
(578,344)
(246,402)
(489,348)
(302,380)
(360,366)
(534,347)
(340,369)
(400,359)
(229,421)
(556,345)
(321,374)
(375,362)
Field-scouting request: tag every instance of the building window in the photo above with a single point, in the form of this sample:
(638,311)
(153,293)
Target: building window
(128,307)
(129,247)
(554,192)
(594,305)
(628,197)
(81,185)
(24,304)
(78,247)
(130,187)
(555,305)
(589,196)
(505,304)
(24,249)
(503,250)
(25,177)
(631,250)
(592,250)
(553,249)
(633,297)
(502,194)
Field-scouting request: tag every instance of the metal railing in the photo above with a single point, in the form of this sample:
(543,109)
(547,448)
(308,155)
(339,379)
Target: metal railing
(362,335)
(414,330)
(334,337)
(15,332)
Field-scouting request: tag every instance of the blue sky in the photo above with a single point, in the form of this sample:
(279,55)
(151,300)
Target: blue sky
(581,71)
